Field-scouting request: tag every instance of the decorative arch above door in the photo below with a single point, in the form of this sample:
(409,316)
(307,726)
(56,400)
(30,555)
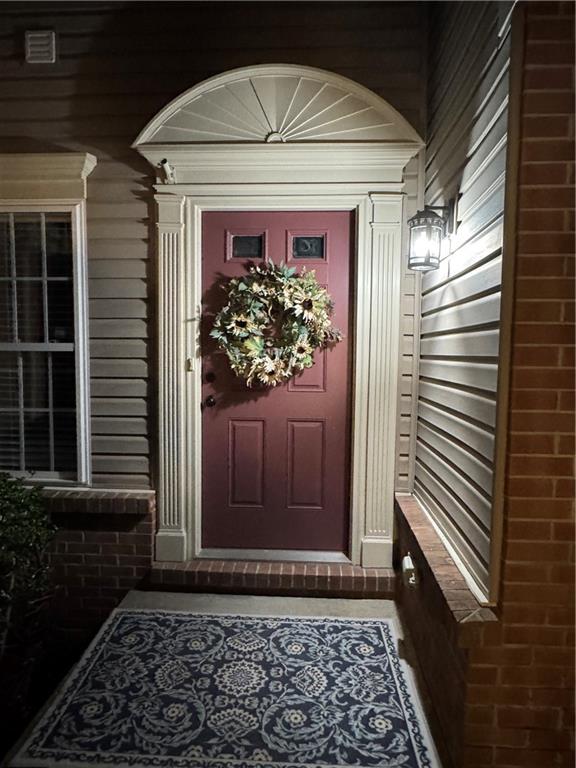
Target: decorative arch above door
(277,104)
(279,138)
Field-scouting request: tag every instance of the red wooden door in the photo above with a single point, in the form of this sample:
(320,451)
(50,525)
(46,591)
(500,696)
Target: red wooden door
(275,464)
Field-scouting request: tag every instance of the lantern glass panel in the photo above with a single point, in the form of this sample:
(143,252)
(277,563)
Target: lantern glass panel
(425,245)
(434,243)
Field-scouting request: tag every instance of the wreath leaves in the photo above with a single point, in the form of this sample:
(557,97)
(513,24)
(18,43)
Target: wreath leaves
(273,322)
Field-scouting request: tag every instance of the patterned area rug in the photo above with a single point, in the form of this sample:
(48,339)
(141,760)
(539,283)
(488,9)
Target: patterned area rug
(182,690)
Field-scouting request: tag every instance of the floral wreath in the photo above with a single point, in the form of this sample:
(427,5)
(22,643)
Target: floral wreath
(273,322)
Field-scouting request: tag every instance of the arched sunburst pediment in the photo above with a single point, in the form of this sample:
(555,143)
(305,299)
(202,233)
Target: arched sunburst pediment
(277,103)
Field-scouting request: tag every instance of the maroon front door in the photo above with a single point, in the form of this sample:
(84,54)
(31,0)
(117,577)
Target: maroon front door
(275,463)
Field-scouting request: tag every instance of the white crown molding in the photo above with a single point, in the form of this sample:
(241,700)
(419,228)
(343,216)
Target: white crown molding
(282,163)
(45,176)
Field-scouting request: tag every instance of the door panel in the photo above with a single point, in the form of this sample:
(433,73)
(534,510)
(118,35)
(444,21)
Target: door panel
(275,464)
(306,464)
(246,463)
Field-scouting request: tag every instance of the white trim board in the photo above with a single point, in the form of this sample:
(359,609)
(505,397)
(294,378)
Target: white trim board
(365,178)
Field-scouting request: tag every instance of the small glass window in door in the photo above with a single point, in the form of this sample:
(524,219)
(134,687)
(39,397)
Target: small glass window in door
(309,247)
(247,246)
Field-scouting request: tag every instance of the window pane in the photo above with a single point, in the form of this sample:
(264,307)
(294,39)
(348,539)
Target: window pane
(37,441)
(35,373)
(5,268)
(8,380)
(64,380)
(9,442)
(59,244)
(309,247)
(30,311)
(247,246)
(60,311)
(6,311)
(37,416)
(28,238)
(64,442)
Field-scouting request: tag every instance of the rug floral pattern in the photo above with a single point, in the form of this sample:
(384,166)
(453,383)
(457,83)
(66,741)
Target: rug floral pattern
(205,691)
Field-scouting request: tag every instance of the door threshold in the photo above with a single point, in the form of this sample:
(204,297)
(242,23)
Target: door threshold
(275,555)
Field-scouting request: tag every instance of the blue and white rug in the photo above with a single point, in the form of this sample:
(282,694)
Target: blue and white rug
(181,690)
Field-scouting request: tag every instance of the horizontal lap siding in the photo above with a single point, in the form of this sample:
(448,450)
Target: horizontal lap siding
(406,433)
(459,330)
(118,65)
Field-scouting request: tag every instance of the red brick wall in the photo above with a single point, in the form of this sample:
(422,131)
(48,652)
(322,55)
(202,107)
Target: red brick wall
(502,690)
(520,693)
(431,612)
(103,549)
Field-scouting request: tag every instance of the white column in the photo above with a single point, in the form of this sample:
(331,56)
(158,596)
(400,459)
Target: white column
(383,372)
(171,542)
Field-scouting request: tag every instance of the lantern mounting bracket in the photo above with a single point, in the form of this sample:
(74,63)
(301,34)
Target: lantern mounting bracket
(448,214)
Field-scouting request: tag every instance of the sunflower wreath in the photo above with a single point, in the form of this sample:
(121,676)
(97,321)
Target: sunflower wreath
(273,322)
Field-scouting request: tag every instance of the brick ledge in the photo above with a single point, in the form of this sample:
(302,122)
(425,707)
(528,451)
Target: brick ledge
(100,501)
(465,609)
(97,493)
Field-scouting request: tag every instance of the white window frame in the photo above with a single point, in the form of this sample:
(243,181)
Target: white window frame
(81,357)
(56,183)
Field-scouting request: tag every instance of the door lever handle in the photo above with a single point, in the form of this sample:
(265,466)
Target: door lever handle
(210,401)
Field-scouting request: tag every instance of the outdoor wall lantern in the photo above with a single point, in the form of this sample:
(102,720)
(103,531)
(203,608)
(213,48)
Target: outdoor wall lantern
(427,231)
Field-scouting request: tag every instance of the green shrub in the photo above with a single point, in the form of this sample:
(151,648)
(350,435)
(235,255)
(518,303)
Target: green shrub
(25,535)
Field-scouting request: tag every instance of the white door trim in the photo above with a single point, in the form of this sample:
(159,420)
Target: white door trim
(245,140)
(377,270)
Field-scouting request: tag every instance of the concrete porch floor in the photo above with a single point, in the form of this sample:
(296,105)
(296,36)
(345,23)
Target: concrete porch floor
(259,605)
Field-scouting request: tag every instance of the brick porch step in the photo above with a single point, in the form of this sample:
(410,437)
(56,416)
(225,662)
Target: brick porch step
(275,578)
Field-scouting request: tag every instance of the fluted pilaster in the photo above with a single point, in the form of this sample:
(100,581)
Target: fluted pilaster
(171,536)
(382,377)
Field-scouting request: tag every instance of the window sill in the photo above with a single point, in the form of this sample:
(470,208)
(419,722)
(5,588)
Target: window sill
(99,501)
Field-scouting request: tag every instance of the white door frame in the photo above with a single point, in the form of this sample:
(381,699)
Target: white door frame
(362,173)
(377,275)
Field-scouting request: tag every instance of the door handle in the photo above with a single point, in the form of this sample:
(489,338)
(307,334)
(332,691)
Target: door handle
(210,401)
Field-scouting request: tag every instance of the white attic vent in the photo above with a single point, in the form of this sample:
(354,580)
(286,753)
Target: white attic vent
(40,47)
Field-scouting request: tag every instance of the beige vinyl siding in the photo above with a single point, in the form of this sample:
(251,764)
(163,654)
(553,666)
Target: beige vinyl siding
(118,64)
(410,287)
(460,305)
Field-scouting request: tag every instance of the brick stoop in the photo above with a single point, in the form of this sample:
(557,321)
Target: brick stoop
(275,578)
